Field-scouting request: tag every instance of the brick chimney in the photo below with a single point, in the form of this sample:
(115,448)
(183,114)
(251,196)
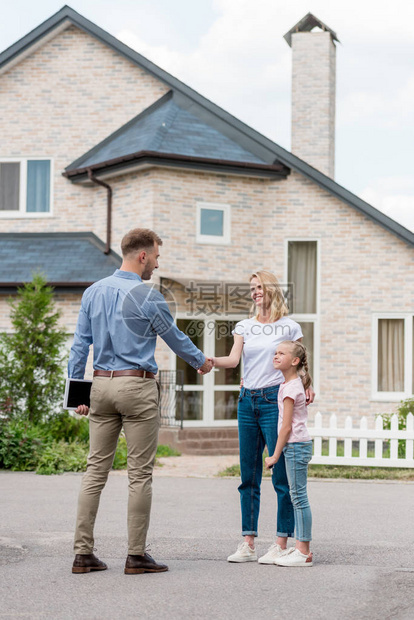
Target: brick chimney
(313,93)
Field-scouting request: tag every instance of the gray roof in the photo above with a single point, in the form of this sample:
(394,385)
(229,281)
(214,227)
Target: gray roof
(67,260)
(249,139)
(169,126)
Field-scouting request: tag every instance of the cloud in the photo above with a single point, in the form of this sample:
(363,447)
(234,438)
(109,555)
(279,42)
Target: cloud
(394,196)
(243,64)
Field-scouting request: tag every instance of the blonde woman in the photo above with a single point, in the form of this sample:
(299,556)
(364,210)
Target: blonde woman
(257,338)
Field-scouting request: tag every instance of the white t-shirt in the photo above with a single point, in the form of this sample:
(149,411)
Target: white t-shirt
(260,344)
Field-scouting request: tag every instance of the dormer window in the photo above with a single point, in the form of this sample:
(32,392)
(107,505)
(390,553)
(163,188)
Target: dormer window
(25,187)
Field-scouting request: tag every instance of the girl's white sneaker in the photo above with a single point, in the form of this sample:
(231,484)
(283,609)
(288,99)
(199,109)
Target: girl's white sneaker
(294,558)
(244,553)
(275,551)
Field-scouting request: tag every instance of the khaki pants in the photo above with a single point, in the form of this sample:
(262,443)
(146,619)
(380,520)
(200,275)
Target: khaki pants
(131,403)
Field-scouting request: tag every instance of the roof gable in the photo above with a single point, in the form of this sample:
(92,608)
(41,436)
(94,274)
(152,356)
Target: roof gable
(244,135)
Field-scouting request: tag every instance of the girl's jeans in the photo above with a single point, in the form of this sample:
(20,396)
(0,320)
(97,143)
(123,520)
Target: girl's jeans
(297,456)
(257,418)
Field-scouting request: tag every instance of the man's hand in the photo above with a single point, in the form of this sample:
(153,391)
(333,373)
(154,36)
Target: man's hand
(310,396)
(82,410)
(206,367)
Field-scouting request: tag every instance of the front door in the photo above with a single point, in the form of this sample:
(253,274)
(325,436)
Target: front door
(210,400)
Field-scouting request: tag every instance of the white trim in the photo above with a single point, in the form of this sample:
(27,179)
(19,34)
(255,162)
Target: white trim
(408,357)
(21,213)
(224,239)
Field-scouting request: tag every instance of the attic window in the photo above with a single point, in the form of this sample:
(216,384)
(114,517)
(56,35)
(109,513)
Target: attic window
(25,187)
(213,223)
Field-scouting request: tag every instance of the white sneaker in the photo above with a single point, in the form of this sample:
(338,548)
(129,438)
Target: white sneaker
(244,553)
(274,551)
(294,558)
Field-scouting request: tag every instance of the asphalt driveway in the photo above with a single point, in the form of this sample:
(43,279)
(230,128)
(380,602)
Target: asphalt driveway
(363,551)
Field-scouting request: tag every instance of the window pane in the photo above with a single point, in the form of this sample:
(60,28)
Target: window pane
(308,341)
(224,343)
(191,328)
(225,405)
(391,355)
(9,186)
(193,406)
(211,222)
(302,273)
(38,186)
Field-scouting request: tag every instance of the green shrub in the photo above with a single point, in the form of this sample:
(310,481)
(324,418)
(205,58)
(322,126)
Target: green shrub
(163,450)
(20,445)
(120,460)
(65,427)
(59,457)
(32,356)
(405,407)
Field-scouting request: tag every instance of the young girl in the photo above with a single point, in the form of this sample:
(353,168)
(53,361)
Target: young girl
(295,443)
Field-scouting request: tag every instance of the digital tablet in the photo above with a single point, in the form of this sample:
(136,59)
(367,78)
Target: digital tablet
(77,392)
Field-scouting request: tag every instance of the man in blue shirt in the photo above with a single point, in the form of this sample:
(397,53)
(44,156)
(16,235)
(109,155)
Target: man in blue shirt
(121,316)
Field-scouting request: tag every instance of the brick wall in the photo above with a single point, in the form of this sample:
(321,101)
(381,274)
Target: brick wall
(61,101)
(313,99)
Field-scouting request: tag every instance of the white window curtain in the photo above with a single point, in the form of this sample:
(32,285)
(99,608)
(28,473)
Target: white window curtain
(302,274)
(38,186)
(391,355)
(9,186)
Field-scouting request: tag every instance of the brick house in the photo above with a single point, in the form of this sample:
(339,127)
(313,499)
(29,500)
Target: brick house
(96,139)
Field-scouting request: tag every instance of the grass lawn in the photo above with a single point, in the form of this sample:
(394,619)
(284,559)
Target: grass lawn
(353,472)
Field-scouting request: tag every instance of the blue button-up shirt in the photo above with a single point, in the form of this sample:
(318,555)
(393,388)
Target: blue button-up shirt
(122,317)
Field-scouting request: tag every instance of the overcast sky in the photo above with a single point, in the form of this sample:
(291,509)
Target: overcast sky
(233,52)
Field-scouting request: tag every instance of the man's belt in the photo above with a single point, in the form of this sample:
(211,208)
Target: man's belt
(146,374)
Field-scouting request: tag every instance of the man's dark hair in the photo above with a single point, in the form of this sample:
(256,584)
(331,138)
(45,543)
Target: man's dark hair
(139,239)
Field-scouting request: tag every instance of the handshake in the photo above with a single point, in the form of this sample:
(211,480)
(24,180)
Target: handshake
(207,366)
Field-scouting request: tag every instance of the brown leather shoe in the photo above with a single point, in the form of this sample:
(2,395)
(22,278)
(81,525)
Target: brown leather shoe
(136,564)
(86,563)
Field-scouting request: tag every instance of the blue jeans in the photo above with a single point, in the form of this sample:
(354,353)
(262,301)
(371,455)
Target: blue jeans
(258,414)
(297,456)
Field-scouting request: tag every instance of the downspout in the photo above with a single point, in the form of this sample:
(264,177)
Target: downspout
(108,210)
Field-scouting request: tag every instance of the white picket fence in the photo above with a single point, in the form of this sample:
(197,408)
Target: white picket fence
(362,435)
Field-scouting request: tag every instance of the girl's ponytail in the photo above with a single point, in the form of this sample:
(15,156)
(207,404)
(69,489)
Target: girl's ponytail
(298,350)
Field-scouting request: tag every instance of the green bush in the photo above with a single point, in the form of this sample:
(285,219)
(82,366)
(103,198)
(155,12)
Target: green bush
(65,427)
(20,445)
(405,407)
(58,445)
(120,460)
(32,356)
(163,450)
(59,457)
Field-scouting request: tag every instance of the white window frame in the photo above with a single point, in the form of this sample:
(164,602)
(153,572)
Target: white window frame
(207,386)
(408,357)
(22,213)
(309,318)
(225,239)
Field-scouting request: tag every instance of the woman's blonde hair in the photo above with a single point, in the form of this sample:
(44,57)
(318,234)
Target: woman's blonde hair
(299,350)
(273,295)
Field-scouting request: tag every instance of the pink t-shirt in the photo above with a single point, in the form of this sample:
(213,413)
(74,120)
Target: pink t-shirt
(294,389)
